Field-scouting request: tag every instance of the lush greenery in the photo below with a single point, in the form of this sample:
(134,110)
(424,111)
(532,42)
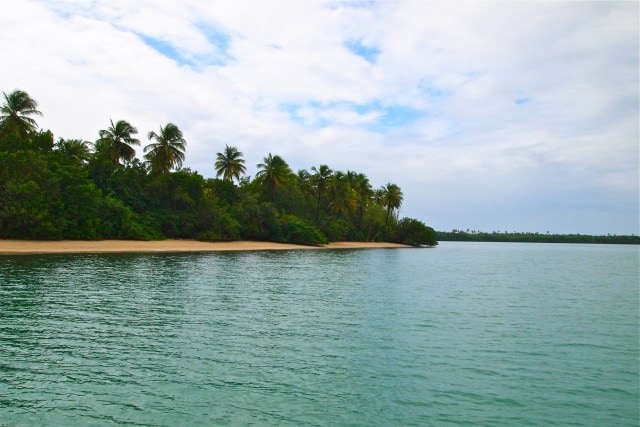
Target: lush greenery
(479,236)
(75,189)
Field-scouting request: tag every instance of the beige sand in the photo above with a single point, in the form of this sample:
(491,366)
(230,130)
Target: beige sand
(13,247)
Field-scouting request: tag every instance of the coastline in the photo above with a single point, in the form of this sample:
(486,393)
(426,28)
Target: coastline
(18,247)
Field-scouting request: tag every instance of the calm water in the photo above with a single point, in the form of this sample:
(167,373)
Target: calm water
(464,334)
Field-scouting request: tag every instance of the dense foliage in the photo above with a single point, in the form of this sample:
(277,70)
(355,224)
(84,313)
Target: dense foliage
(480,236)
(75,189)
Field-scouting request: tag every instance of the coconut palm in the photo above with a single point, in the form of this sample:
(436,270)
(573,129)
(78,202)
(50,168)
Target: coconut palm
(16,112)
(320,179)
(230,164)
(168,150)
(76,149)
(273,173)
(390,196)
(117,140)
(304,181)
(342,198)
(364,193)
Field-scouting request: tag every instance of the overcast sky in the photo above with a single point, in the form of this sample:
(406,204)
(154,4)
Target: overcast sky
(518,116)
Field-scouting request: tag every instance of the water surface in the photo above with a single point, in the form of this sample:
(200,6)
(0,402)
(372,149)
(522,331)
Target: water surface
(466,333)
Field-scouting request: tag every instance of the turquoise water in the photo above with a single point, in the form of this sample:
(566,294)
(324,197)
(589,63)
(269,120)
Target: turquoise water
(463,334)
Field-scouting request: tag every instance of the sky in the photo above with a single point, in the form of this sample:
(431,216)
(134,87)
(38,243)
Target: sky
(492,116)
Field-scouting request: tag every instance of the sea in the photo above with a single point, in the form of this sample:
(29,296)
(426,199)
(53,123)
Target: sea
(464,334)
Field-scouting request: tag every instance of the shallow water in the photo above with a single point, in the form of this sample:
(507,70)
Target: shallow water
(466,333)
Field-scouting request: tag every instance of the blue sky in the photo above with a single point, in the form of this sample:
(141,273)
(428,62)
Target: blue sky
(489,115)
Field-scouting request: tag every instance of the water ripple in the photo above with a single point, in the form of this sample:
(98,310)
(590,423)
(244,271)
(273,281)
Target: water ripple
(461,335)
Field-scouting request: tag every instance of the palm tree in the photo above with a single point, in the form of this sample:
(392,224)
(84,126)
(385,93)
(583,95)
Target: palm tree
(116,141)
(320,179)
(230,164)
(77,149)
(304,181)
(390,197)
(342,198)
(168,150)
(16,111)
(273,173)
(364,193)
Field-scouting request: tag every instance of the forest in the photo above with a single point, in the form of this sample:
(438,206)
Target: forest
(56,188)
(528,237)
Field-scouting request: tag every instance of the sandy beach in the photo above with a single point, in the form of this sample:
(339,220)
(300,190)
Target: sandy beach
(15,247)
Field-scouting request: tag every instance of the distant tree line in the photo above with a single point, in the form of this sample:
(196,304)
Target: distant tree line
(496,236)
(75,189)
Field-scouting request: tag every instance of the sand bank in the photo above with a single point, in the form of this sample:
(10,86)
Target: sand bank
(13,247)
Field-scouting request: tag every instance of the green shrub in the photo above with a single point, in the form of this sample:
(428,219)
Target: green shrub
(296,230)
(415,233)
(225,228)
(336,229)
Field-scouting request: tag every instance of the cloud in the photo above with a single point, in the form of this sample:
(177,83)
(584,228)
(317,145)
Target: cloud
(485,113)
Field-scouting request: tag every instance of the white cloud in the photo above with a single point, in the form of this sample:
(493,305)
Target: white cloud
(514,107)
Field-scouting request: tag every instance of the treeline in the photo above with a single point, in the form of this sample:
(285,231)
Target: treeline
(479,236)
(75,189)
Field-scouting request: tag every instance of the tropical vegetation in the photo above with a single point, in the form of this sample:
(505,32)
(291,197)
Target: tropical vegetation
(16,112)
(532,237)
(77,189)
(230,164)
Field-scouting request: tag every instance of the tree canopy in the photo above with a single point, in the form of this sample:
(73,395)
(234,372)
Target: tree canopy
(168,150)
(230,164)
(116,142)
(273,173)
(16,114)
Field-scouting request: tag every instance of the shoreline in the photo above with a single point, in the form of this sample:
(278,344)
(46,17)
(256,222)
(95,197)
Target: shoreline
(32,247)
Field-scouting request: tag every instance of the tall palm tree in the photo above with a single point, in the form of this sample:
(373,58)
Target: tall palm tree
(117,140)
(230,164)
(16,112)
(342,198)
(273,173)
(364,192)
(391,198)
(304,181)
(168,150)
(320,179)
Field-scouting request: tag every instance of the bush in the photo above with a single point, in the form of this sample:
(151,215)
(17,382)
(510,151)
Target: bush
(224,228)
(296,230)
(336,229)
(259,221)
(415,233)
(210,236)
(118,221)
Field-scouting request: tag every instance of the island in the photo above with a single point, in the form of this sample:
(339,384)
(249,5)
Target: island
(59,189)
